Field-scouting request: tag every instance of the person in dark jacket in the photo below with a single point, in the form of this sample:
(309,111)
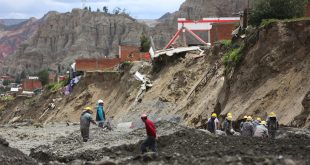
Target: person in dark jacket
(213,123)
(85,121)
(248,128)
(150,141)
(242,122)
(100,115)
(272,124)
(227,126)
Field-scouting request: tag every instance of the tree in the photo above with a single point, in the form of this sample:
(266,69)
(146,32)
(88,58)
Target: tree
(276,9)
(105,9)
(89,8)
(85,8)
(117,10)
(43,76)
(98,10)
(145,43)
(5,82)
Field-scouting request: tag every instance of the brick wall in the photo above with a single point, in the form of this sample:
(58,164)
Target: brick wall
(127,53)
(127,50)
(30,85)
(308,9)
(221,31)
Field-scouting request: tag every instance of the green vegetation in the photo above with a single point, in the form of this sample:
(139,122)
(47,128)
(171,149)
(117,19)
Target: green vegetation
(43,76)
(7,98)
(276,9)
(226,43)
(145,43)
(57,86)
(233,57)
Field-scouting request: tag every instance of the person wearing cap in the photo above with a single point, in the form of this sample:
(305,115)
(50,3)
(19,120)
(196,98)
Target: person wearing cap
(261,130)
(248,128)
(150,141)
(242,122)
(272,124)
(100,116)
(213,123)
(85,121)
(227,125)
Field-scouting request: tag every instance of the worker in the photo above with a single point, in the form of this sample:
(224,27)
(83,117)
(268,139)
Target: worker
(261,130)
(247,128)
(227,126)
(85,121)
(242,121)
(213,123)
(256,122)
(100,116)
(151,139)
(272,124)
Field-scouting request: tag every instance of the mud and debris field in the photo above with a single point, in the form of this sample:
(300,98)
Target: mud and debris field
(59,143)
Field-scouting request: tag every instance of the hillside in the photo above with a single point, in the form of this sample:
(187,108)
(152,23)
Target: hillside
(63,37)
(273,76)
(13,33)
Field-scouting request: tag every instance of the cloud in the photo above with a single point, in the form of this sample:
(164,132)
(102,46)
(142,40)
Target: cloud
(140,9)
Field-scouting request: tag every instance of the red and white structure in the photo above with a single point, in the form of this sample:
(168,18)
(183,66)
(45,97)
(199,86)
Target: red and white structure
(205,24)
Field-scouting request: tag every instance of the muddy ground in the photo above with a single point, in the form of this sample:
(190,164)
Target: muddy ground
(177,145)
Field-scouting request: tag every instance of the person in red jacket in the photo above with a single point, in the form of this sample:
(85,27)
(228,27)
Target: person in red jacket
(150,141)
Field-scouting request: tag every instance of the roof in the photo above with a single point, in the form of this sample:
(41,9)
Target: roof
(14,89)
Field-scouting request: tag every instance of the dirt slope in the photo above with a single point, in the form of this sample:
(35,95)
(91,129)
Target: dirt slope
(273,76)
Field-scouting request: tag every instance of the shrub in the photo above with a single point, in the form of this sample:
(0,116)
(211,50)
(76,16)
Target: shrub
(276,9)
(145,43)
(43,76)
(57,86)
(233,57)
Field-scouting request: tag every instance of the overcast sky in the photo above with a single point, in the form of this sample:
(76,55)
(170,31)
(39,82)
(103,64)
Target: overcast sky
(139,9)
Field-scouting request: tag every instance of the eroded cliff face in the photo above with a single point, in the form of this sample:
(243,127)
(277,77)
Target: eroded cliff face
(61,38)
(195,10)
(11,36)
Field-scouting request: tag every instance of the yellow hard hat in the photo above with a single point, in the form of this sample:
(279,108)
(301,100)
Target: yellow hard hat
(259,119)
(229,114)
(249,118)
(88,108)
(263,123)
(272,114)
(229,118)
(213,115)
(245,117)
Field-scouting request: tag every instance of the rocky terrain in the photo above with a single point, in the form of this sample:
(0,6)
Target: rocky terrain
(177,145)
(63,37)
(10,155)
(13,33)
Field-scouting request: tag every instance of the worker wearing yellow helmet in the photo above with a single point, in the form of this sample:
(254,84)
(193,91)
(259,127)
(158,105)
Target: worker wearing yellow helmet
(85,120)
(257,121)
(242,122)
(213,123)
(272,124)
(261,130)
(227,125)
(248,127)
